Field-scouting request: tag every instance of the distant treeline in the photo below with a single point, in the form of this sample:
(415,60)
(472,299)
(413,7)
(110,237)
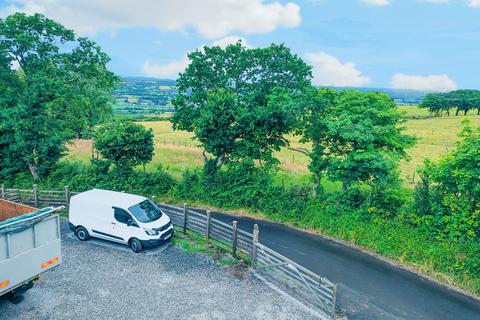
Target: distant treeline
(459,100)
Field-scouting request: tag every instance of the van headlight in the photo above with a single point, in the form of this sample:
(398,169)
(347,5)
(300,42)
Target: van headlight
(151,232)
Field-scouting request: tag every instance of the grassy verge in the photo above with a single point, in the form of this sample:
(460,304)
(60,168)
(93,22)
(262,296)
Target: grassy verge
(446,261)
(193,242)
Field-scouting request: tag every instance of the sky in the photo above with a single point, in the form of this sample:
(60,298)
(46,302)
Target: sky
(402,44)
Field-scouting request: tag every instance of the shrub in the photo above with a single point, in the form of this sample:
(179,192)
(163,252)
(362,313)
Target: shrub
(98,174)
(242,187)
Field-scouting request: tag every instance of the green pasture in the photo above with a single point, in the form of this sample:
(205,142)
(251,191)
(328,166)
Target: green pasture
(176,151)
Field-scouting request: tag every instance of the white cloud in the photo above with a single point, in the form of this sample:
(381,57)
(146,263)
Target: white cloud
(435,1)
(224,42)
(473,3)
(173,68)
(210,18)
(329,71)
(377,2)
(470,3)
(439,82)
(169,70)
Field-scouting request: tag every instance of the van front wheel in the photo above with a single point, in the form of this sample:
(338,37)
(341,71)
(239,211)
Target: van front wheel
(82,234)
(136,245)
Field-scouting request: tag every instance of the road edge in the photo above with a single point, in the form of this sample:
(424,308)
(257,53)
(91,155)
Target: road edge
(386,260)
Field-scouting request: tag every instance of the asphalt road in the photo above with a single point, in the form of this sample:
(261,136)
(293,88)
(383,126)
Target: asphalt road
(367,288)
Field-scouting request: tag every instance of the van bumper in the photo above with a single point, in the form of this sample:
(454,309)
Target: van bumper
(156,242)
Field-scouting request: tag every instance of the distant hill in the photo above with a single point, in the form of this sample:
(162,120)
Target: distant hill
(402,97)
(142,95)
(139,95)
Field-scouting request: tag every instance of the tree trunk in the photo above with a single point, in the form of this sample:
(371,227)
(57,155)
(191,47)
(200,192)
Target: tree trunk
(344,186)
(204,156)
(316,185)
(33,165)
(220,161)
(465,112)
(33,170)
(458,111)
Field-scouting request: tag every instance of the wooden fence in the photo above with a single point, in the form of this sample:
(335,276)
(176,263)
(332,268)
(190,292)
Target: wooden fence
(266,262)
(37,198)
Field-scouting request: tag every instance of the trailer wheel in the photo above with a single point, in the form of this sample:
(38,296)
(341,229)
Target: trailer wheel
(82,234)
(14,297)
(136,245)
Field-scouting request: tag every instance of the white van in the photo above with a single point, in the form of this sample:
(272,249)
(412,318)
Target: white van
(119,217)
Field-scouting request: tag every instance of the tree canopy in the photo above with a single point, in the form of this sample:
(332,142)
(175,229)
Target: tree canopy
(124,143)
(55,85)
(356,136)
(230,98)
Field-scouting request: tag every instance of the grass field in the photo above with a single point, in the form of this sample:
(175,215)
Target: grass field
(175,151)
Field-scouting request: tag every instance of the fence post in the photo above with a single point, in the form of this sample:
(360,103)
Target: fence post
(67,197)
(207,233)
(185,213)
(254,246)
(334,301)
(3,191)
(234,239)
(35,196)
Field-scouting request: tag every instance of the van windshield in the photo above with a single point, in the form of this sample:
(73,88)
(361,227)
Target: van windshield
(146,211)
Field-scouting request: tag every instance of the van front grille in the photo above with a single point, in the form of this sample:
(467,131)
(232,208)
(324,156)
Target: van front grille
(165,227)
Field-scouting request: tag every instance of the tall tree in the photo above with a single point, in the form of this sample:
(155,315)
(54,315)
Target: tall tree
(436,103)
(230,98)
(356,136)
(8,98)
(464,100)
(365,137)
(56,73)
(316,106)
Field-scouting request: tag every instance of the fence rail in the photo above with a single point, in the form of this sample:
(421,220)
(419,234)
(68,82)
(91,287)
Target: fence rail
(266,262)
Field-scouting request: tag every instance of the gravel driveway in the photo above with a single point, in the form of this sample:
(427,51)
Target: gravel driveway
(102,280)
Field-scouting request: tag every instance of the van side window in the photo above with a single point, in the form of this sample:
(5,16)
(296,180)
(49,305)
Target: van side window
(121,215)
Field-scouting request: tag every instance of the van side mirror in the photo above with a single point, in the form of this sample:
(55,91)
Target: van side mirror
(131,223)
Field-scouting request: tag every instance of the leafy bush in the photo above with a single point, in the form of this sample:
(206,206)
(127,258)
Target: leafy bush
(242,187)
(98,174)
(448,198)
(124,143)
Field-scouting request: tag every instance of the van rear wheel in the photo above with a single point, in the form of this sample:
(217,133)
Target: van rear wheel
(82,234)
(136,245)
